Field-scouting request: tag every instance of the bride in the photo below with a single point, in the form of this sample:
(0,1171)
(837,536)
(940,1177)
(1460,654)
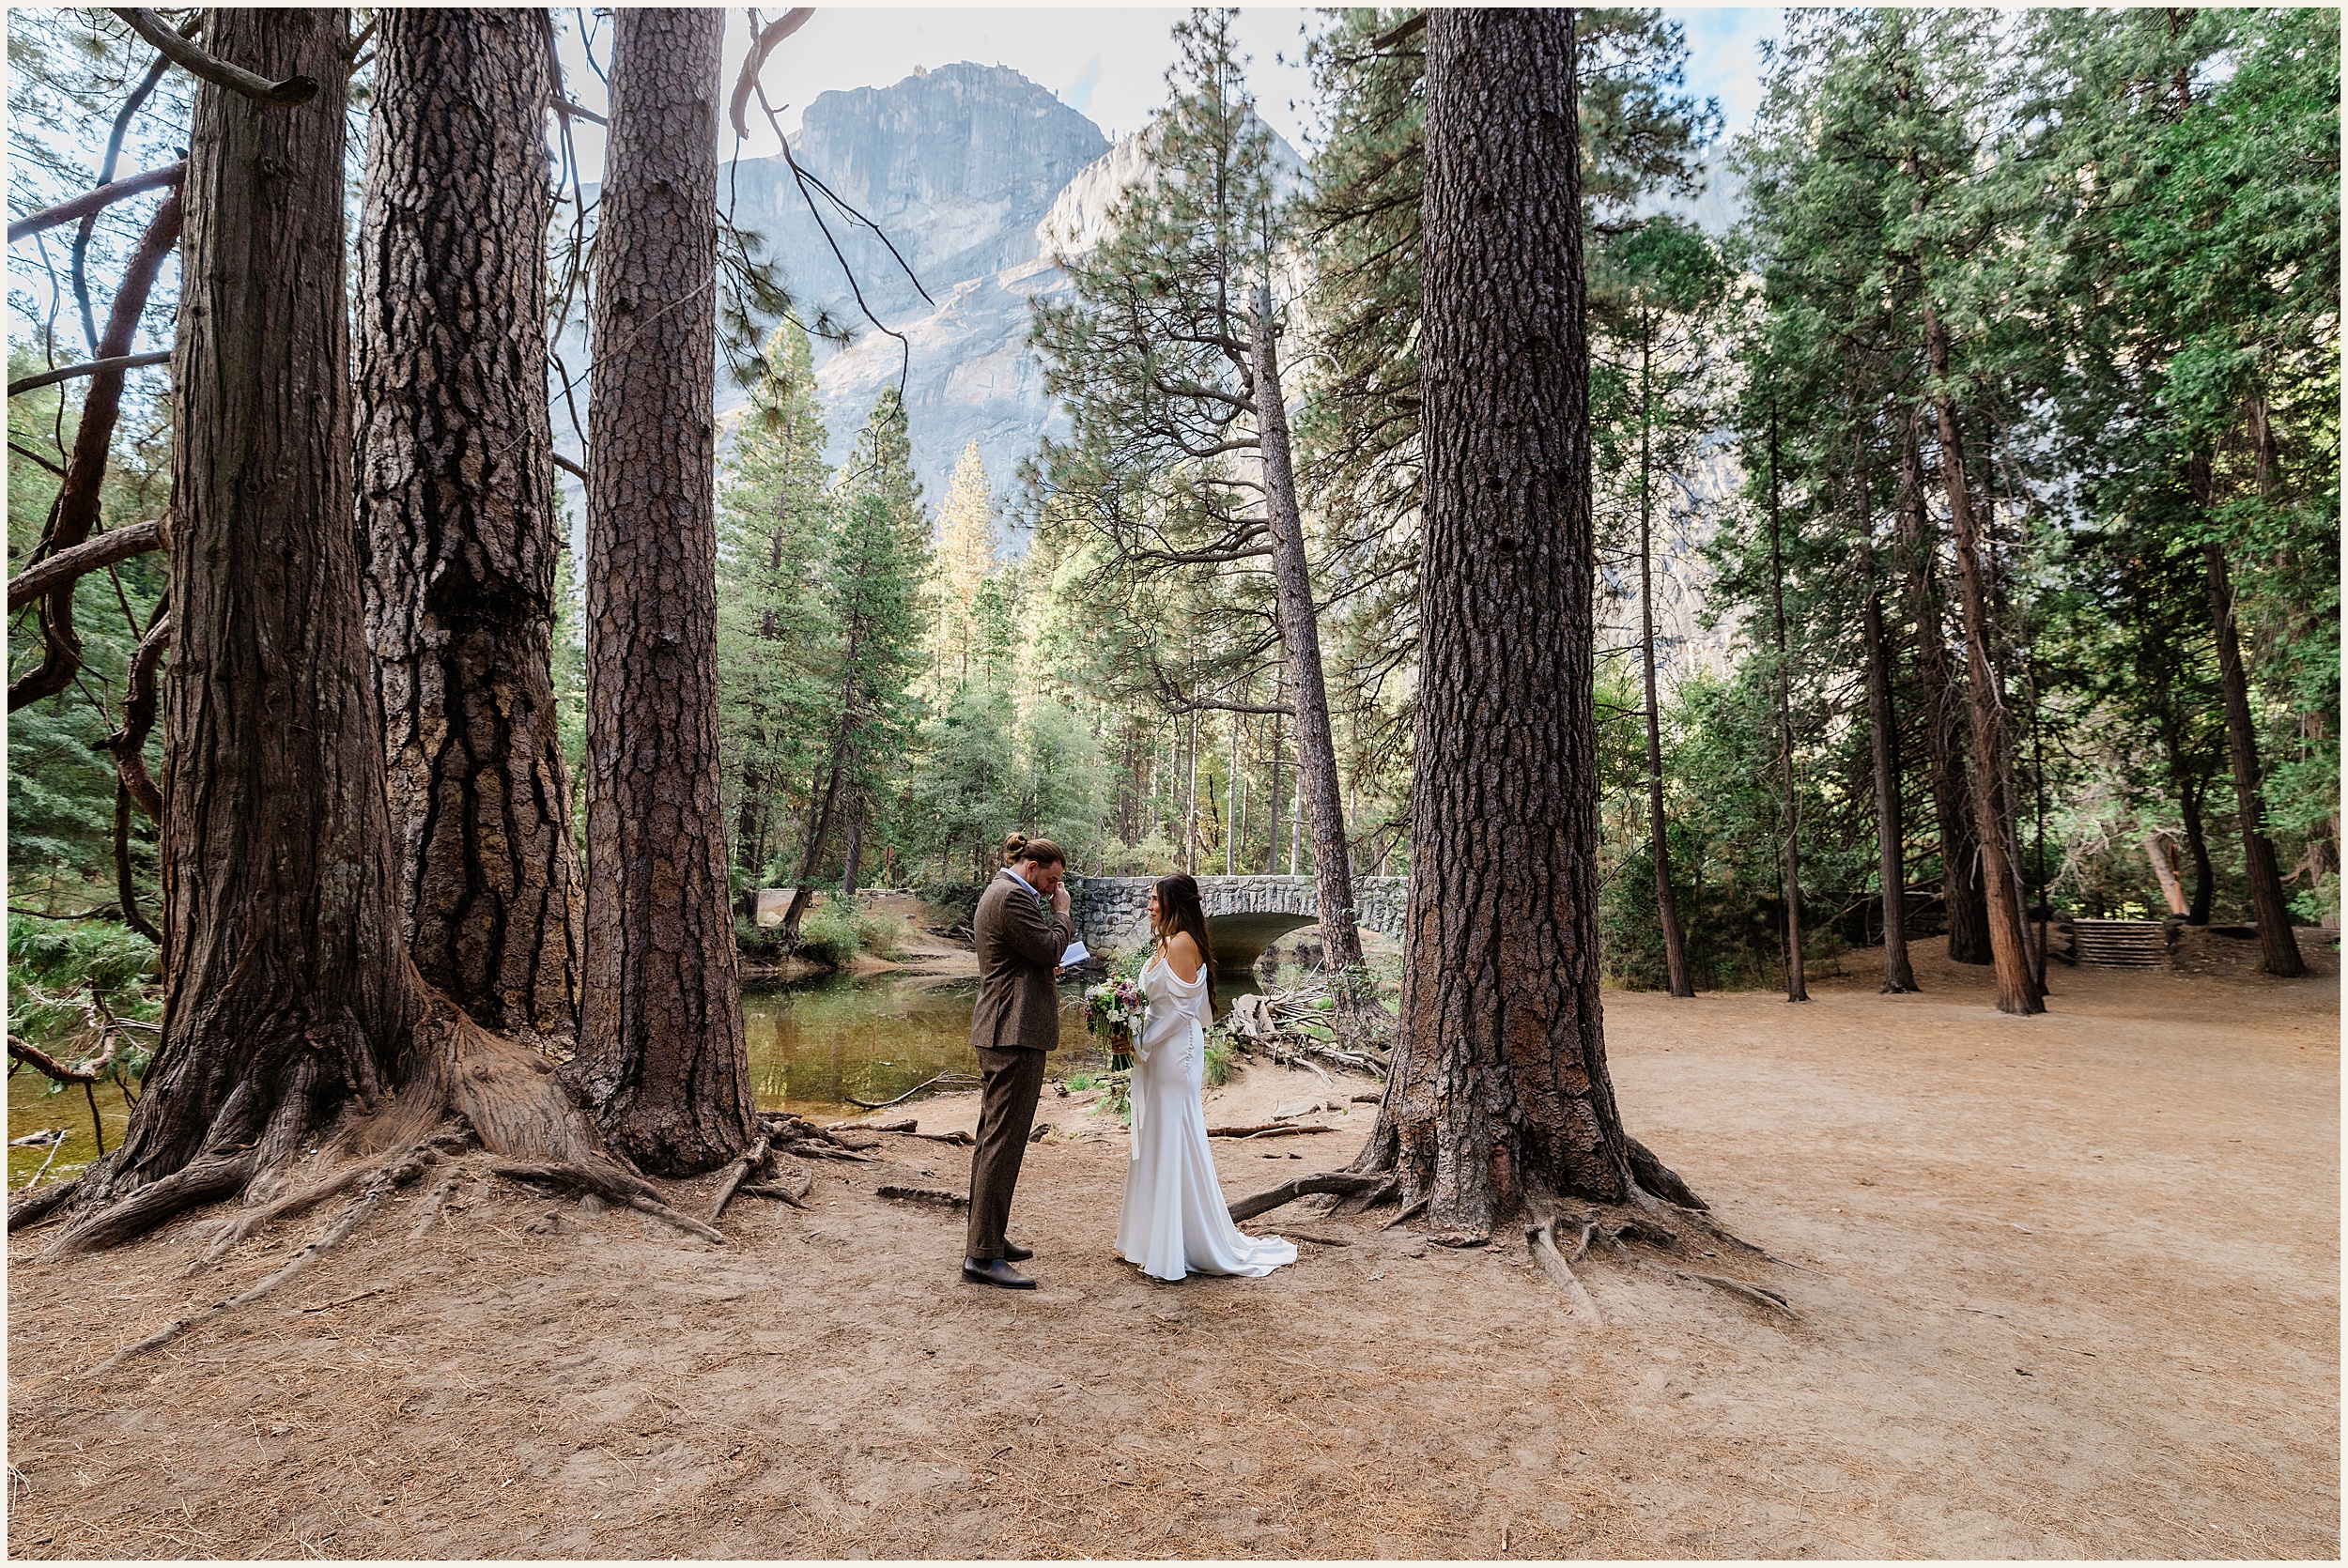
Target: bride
(1175,1217)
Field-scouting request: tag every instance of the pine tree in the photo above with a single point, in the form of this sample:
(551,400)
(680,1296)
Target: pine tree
(967,555)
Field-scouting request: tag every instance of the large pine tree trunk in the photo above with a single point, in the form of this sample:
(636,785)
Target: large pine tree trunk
(661,1049)
(287,988)
(1499,1101)
(2018,989)
(1961,894)
(1316,743)
(1797,978)
(458,511)
(2278,944)
(1666,902)
(288,984)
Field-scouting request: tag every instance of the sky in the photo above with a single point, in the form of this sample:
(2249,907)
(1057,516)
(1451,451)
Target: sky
(1108,62)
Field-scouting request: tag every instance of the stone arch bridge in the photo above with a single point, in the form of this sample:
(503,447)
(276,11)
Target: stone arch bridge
(1244,914)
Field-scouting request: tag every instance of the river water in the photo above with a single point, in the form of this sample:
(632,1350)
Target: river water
(816,1042)
(811,1045)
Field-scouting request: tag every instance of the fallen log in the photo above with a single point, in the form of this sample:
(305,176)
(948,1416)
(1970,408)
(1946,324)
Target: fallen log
(1288,1191)
(937,1195)
(1267,1130)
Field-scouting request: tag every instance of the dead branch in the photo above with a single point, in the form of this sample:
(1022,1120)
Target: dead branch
(1539,1241)
(937,1195)
(631,1191)
(111,364)
(735,1171)
(116,544)
(958,1079)
(78,497)
(129,744)
(47,1065)
(94,200)
(196,62)
(1275,1130)
(905,1126)
(1288,1191)
(762,41)
(570,111)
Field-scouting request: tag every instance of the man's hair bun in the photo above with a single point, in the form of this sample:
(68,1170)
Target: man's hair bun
(1018,847)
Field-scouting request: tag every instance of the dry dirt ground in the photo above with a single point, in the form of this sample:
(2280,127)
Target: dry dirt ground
(2068,1286)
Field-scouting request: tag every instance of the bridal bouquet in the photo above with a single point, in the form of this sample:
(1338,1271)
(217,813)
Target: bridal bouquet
(1116,1006)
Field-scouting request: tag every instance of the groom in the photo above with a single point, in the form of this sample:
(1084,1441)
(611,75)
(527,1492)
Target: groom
(1021,928)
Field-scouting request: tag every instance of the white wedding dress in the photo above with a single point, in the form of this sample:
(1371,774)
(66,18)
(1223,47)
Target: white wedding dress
(1175,1219)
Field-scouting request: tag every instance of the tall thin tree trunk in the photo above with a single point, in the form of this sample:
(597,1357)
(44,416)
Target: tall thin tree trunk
(2190,795)
(1316,743)
(661,1047)
(1272,794)
(1883,749)
(458,511)
(1666,904)
(852,857)
(1961,894)
(1500,1101)
(1230,810)
(1797,982)
(2019,991)
(1190,798)
(2278,944)
(750,849)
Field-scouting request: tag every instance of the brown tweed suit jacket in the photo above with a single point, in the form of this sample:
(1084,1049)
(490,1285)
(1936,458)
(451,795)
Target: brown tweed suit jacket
(1020,941)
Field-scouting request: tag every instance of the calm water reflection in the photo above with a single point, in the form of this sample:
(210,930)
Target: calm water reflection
(874,1037)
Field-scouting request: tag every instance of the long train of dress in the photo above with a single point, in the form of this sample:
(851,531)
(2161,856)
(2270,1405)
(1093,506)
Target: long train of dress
(1175,1219)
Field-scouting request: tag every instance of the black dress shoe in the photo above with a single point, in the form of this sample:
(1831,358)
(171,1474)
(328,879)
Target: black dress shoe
(1014,1253)
(994,1271)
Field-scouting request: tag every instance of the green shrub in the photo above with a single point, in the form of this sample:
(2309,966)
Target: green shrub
(830,933)
(883,935)
(1219,1054)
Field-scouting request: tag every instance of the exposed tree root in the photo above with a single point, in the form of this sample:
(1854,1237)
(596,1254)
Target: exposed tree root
(609,1182)
(232,1232)
(1759,1295)
(434,1203)
(1659,1178)
(377,1190)
(792,1189)
(1405,1213)
(735,1171)
(37,1204)
(1541,1242)
(1288,1191)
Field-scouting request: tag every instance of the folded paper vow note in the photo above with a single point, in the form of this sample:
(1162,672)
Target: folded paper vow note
(1076,954)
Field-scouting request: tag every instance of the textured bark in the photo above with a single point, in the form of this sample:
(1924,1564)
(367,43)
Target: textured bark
(1666,904)
(1883,739)
(1300,634)
(458,511)
(1961,894)
(78,497)
(661,1052)
(1499,1099)
(2190,792)
(2278,944)
(1796,980)
(286,983)
(2019,988)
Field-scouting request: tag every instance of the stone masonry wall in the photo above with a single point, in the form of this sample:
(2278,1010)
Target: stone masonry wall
(1112,914)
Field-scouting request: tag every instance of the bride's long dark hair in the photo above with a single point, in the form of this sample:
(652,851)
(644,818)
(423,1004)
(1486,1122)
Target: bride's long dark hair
(1178,910)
